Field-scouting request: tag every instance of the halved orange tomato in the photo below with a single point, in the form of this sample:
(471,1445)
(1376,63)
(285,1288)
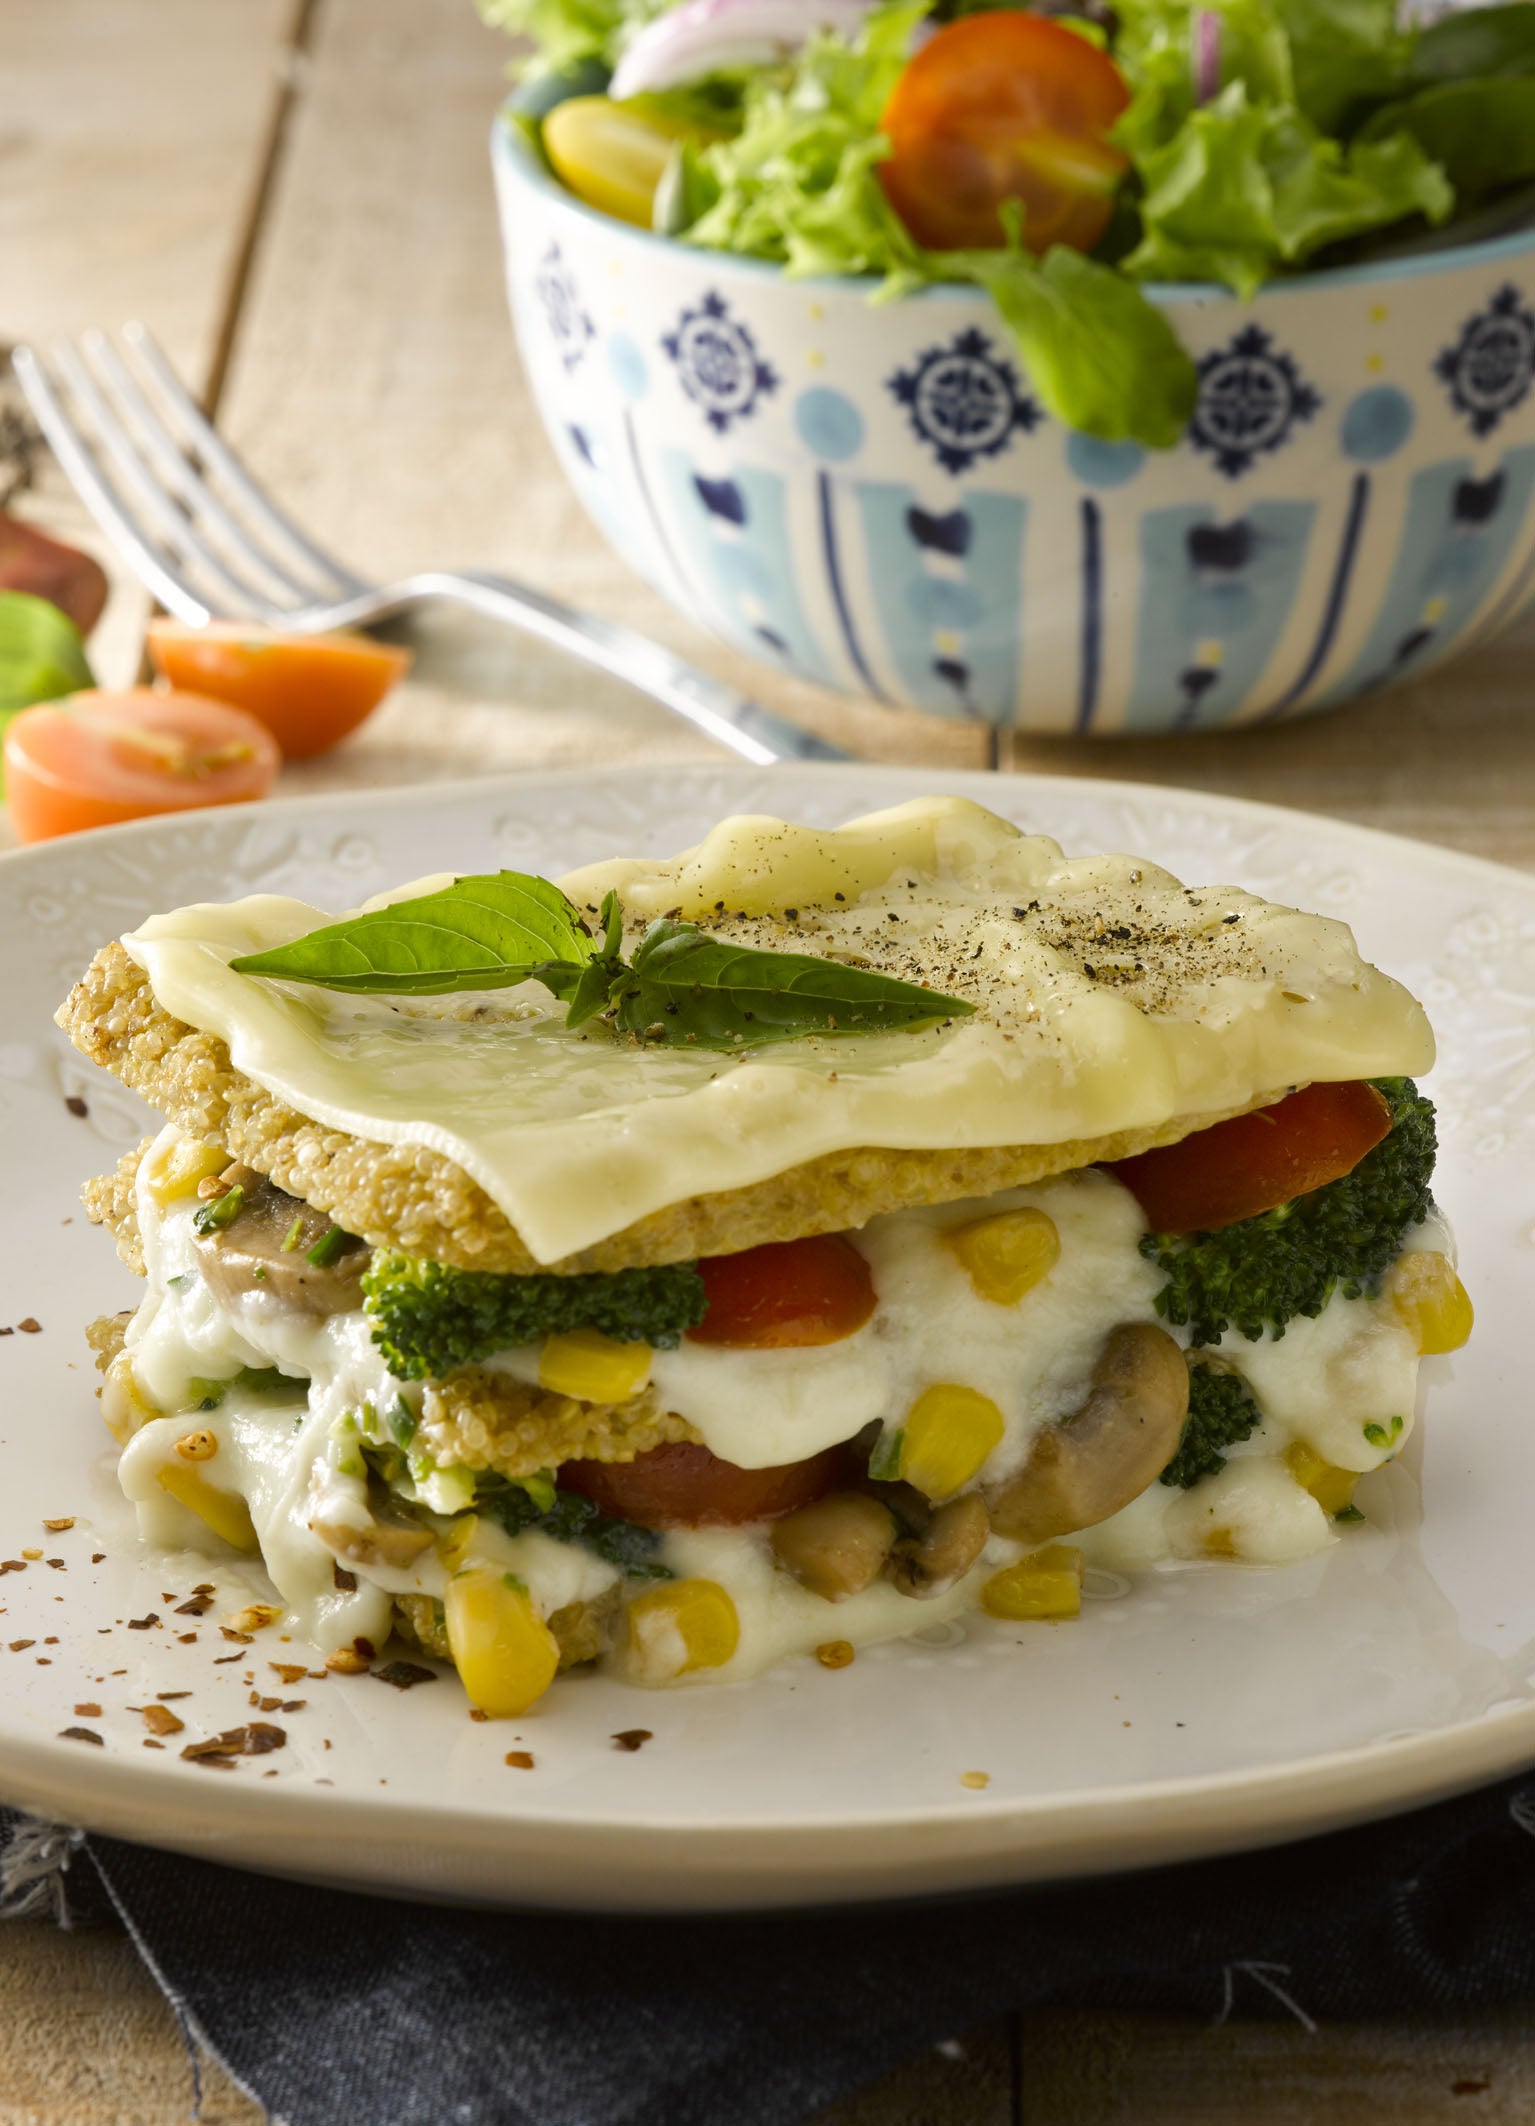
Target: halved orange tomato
(95,759)
(310,691)
(999,106)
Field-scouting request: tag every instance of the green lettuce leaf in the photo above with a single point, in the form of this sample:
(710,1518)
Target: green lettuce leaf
(1244,191)
(42,652)
(1481,133)
(1473,44)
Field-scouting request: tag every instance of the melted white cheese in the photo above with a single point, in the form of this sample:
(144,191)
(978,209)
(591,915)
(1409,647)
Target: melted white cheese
(298,1464)
(1107,998)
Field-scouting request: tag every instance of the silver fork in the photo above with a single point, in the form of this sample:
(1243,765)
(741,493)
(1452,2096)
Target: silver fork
(207,540)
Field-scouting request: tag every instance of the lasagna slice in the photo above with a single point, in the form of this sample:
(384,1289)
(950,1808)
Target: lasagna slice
(690,1345)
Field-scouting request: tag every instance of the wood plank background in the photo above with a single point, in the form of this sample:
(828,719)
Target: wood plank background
(295,195)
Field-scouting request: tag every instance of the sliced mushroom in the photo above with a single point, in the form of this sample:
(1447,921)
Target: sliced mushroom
(944,1552)
(265,1248)
(838,1546)
(374,1539)
(583,1631)
(1103,1456)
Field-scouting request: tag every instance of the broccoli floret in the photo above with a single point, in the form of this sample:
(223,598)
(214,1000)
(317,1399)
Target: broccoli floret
(428,1317)
(574,1519)
(1221,1412)
(1262,1272)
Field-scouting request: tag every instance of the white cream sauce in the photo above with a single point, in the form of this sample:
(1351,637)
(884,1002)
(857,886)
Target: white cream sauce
(299,1465)
(1108,997)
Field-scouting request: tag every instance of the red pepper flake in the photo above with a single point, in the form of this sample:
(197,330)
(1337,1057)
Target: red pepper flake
(186,1638)
(76,1106)
(344,1582)
(12,1565)
(264,1738)
(63,1522)
(288,1705)
(632,1738)
(43,1661)
(80,1734)
(145,1623)
(241,1638)
(31,1326)
(19,1646)
(194,1606)
(89,1712)
(151,1744)
(165,1696)
(404,1675)
(160,1720)
(476,1714)
(288,1671)
(97,1556)
(57,1564)
(520,1760)
(223,1660)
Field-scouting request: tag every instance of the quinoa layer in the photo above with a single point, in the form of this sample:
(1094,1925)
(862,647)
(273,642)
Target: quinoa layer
(407,1196)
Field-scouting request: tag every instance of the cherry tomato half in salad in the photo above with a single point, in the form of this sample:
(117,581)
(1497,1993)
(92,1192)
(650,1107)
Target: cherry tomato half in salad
(786,1295)
(309,690)
(1005,106)
(685,1486)
(1256,1162)
(94,759)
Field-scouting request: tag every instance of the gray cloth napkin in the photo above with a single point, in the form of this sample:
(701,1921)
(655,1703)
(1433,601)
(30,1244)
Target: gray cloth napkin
(330,2007)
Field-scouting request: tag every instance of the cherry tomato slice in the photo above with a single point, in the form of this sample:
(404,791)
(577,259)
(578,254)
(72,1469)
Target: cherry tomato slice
(1256,1162)
(1005,106)
(787,1294)
(685,1486)
(309,690)
(93,759)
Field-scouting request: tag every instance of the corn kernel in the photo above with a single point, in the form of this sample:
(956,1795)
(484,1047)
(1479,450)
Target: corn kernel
(684,1625)
(592,1367)
(1007,1255)
(949,1432)
(199,1446)
(225,1512)
(503,1650)
(1048,1584)
(173,1168)
(1332,1488)
(1431,1299)
(125,1408)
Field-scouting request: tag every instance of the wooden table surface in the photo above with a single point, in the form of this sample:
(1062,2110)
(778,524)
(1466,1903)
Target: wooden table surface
(295,195)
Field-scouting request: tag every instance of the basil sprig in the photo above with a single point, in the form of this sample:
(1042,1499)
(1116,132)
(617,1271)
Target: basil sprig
(683,987)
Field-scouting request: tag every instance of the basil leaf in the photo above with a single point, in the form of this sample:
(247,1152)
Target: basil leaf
(703,993)
(484,932)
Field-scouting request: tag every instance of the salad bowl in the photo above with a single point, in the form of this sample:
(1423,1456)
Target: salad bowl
(868,493)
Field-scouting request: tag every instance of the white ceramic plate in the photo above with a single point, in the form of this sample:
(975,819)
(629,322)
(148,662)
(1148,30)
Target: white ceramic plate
(1203,1709)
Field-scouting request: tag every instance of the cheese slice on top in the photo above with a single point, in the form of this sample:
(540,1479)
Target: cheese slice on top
(1109,998)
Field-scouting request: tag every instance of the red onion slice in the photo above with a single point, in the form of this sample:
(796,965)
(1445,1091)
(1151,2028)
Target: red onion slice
(702,36)
(1207,55)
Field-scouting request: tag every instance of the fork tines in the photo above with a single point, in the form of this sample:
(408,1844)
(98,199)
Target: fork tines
(165,487)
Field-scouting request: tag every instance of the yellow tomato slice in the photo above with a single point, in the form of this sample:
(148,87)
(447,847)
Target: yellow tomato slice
(609,155)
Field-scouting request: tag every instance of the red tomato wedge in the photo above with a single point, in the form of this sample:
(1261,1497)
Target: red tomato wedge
(1256,1162)
(309,690)
(684,1486)
(788,1294)
(1005,106)
(93,759)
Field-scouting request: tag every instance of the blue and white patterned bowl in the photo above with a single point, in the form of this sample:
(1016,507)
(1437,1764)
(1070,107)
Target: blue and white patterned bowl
(869,495)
